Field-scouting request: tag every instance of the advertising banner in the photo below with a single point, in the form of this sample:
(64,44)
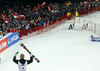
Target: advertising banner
(97,39)
(78,26)
(3,45)
(12,39)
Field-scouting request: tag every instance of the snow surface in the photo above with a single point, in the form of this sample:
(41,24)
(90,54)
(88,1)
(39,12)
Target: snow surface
(58,50)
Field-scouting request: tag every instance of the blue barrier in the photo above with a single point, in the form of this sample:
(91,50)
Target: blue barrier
(12,39)
(97,39)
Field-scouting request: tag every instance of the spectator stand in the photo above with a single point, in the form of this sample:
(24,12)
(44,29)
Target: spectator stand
(29,20)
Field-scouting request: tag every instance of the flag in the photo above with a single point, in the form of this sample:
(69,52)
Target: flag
(22,16)
(68,3)
(40,5)
(3,16)
(85,2)
(6,20)
(89,6)
(49,8)
(43,3)
(81,3)
(15,16)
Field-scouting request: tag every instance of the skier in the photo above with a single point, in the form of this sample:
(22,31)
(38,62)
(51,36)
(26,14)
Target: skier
(22,63)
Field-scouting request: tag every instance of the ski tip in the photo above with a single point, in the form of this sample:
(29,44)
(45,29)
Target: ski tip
(21,44)
(38,61)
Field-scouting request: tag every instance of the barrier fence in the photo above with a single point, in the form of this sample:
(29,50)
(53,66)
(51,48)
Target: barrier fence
(53,24)
(8,41)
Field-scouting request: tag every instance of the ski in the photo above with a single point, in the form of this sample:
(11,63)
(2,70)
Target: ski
(29,52)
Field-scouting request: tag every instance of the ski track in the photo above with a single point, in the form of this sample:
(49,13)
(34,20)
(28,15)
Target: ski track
(58,50)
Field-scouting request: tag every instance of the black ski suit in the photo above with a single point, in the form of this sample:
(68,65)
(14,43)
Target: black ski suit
(22,63)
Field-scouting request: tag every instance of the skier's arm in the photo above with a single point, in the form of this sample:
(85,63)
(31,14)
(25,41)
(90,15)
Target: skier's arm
(14,58)
(31,59)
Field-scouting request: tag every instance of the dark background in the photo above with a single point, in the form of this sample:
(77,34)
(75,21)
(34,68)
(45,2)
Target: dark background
(39,1)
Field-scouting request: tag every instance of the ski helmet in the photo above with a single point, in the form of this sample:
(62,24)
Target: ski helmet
(22,56)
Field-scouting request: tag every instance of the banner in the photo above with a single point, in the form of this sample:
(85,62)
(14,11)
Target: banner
(12,39)
(78,26)
(97,39)
(3,45)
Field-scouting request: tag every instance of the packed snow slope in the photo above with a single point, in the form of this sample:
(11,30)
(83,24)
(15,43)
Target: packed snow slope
(58,50)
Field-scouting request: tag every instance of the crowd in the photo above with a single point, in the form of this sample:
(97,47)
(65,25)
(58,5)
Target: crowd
(15,17)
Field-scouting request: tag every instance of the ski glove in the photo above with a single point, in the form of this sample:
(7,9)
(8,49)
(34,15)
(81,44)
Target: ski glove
(16,53)
(31,55)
